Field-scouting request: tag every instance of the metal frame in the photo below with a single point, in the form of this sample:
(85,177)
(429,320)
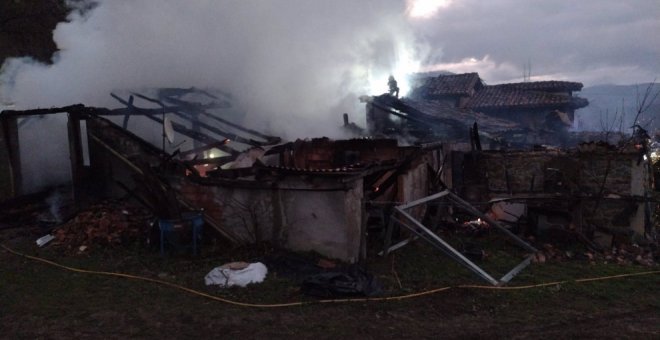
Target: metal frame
(423,232)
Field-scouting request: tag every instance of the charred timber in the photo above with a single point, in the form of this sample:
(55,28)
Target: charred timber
(418,117)
(269,139)
(192,117)
(196,135)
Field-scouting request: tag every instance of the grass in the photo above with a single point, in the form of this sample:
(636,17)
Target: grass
(43,301)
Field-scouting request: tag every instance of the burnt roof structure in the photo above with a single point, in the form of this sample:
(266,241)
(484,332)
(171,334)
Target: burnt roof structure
(446,106)
(437,112)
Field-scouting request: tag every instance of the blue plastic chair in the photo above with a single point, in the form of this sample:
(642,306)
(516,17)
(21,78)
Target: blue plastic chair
(168,227)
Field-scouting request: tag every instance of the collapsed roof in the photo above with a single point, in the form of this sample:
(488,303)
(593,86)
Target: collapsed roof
(301,195)
(314,194)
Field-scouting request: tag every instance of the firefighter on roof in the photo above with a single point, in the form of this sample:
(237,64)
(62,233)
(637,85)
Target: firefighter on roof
(394,88)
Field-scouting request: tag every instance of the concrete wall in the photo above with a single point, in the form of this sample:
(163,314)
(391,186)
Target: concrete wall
(328,222)
(301,213)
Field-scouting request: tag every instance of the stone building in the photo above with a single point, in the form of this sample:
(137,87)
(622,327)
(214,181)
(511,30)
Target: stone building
(524,113)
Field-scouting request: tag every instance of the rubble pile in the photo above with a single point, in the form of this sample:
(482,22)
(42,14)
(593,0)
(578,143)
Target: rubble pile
(628,254)
(624,254)
(104,224)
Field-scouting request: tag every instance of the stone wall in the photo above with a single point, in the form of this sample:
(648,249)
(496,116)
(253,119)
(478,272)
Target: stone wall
(601,189)
(562,172)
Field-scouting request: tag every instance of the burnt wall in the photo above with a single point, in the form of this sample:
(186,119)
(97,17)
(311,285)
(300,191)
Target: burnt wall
(414,185)
(323,153)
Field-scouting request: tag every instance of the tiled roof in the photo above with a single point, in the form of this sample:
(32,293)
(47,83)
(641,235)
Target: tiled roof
(520,95)
(449,85)
(547,86)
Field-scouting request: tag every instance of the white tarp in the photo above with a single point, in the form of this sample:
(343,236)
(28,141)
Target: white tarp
(236,274)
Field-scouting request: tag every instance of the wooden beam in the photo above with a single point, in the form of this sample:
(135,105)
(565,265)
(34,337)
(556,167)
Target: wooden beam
(192,115)
(10,133)
(76,157)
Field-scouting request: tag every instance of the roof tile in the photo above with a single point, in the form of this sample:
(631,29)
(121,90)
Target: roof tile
(501,96)
(455,84)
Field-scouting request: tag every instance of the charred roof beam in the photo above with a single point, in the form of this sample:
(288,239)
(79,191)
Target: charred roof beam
(181,111)
(193,120)
(417,117)
(180,128)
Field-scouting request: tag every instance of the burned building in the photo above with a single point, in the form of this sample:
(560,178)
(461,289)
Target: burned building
(301,195)
(509,145)
(415,120)
(325,195)
(523,113)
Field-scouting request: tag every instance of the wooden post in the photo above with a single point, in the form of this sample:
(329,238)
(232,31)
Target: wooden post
(76,157)
(362,256)
(10,133)
(278,217)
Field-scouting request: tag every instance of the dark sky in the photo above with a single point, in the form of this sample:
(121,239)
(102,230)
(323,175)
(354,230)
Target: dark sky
(592,41)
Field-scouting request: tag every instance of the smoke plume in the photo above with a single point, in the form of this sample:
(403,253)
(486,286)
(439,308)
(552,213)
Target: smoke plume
(294,66)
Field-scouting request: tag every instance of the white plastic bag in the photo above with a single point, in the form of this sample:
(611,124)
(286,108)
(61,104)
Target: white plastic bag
(236,274)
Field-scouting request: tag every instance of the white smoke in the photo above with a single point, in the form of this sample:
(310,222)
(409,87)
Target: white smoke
(295,66)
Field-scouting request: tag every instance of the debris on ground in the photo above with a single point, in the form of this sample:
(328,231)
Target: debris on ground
(45,209)
(42,241)
(236,274)
(297,267)
(105,224)
(354,281)
(624,254)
